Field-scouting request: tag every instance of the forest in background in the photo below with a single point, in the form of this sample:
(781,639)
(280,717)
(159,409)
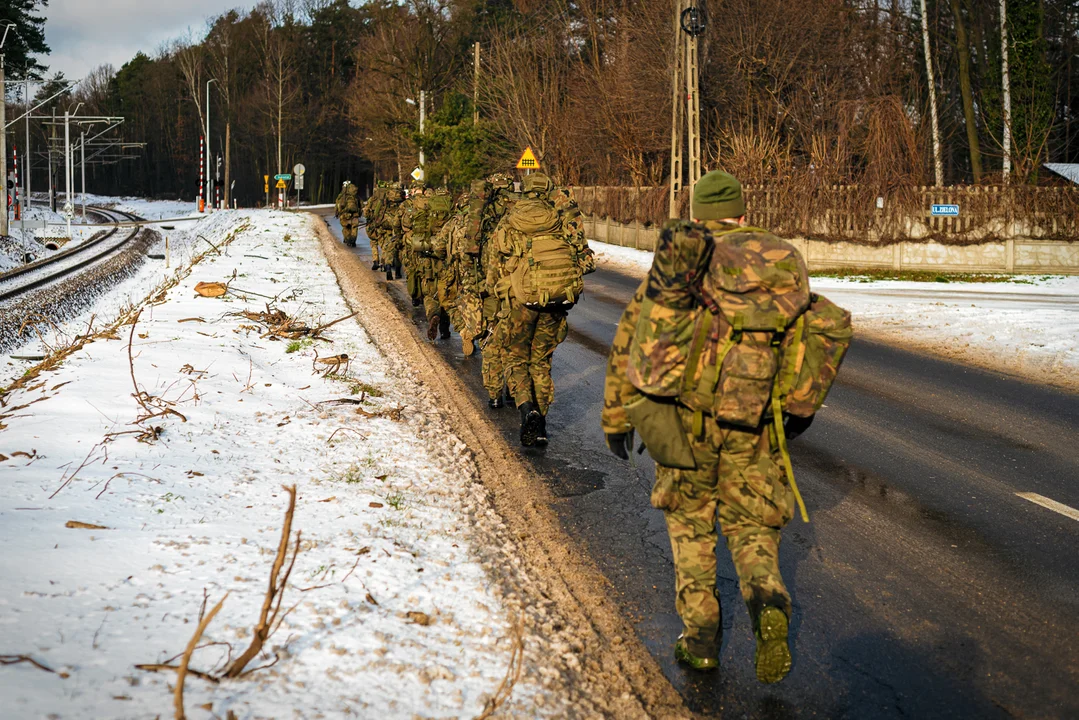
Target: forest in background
(831,90)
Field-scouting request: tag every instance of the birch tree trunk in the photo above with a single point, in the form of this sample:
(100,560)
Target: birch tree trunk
(1007,140)
(938,165)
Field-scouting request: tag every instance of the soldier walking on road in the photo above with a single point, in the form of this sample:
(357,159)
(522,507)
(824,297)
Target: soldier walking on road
(347,210)
(722,355)
(494,308)
(413,228)
(373,212)
(429,267)
(390,229)
(543,264)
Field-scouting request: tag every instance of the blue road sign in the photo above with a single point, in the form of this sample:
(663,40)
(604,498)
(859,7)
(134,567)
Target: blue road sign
(946,210)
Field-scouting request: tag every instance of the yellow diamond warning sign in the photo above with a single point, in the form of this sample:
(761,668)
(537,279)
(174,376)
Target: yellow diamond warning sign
(528,161)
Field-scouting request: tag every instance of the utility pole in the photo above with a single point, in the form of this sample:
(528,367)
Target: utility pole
(26,155)
(209,174)
(685,98)
(82,149)
(3,145)
(423,120)
(69,207)
(476,85)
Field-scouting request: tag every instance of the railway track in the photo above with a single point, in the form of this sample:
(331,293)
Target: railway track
(71,260)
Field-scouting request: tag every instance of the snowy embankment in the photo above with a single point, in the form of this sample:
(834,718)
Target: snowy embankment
(144,479)
(1029,327)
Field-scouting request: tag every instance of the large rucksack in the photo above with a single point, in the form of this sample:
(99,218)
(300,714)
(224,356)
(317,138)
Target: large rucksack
(440,208)
(545,269)
(350,202)
(730,329)
(376,207)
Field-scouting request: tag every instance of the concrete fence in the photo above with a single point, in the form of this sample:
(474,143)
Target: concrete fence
(1019,255)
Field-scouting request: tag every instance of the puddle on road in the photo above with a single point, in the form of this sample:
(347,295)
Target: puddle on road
(566,482)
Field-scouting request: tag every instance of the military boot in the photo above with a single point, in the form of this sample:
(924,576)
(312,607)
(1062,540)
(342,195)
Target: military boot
(444,325)
(530,424)
(773,657)
(541,432)
(397,270)
(432,327)
(374,265)
(389,273)
(684,655)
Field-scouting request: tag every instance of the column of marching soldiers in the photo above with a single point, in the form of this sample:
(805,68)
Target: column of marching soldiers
(503,263)
(722,356)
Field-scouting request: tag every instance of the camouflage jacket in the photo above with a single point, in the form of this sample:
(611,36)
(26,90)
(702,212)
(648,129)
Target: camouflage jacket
(703,326)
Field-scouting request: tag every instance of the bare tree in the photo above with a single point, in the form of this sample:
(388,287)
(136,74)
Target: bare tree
(280,89)
(221,48)
(190,58)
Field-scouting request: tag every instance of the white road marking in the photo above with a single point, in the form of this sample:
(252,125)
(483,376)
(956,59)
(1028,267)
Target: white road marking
(1050,504)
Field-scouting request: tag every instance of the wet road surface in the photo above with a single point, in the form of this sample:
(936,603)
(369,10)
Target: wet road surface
(924,586)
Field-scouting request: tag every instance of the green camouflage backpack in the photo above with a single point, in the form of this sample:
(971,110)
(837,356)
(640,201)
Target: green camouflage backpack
(441,207)
(755,343)
(544,269)
(376,207)
(351,201)
(420,219)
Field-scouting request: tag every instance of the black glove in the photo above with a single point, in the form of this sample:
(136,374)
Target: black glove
(621,444)
(793,425)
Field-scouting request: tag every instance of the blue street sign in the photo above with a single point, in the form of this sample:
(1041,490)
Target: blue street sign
(946,210)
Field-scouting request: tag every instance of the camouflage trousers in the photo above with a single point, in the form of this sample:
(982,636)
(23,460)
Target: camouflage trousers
(739,482)
(493,365)
(463,303)
(428,269)
(389,248)
(349,227)
(531,337)
(375,239)
(409,260)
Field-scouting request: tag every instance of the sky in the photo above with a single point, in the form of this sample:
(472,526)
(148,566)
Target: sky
(86,33)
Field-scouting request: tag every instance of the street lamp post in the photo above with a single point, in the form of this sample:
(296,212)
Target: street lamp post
(209,175)
(423,118)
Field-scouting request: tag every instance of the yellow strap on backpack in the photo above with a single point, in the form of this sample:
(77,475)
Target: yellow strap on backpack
(781,437)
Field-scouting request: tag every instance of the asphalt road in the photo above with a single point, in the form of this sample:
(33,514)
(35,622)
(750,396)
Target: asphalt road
(924,586)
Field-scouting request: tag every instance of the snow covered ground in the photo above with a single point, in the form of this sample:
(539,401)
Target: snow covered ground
(1029,327)
(116,533)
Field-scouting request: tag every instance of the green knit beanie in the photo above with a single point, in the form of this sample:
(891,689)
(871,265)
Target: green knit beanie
(718,196)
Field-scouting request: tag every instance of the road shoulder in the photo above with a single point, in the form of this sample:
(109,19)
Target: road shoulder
(615,671)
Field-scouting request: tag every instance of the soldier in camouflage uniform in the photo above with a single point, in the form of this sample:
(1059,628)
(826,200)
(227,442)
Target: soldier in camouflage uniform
(411,210)
(738,480)
(373,211)
(494,310)
(530,334)
(460,277)
(429,266)
(390,229)
(347,210)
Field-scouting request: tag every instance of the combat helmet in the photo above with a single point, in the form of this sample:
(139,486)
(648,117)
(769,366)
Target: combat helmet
(536,185)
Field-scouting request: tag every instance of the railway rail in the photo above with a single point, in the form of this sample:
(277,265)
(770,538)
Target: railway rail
(69,261)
